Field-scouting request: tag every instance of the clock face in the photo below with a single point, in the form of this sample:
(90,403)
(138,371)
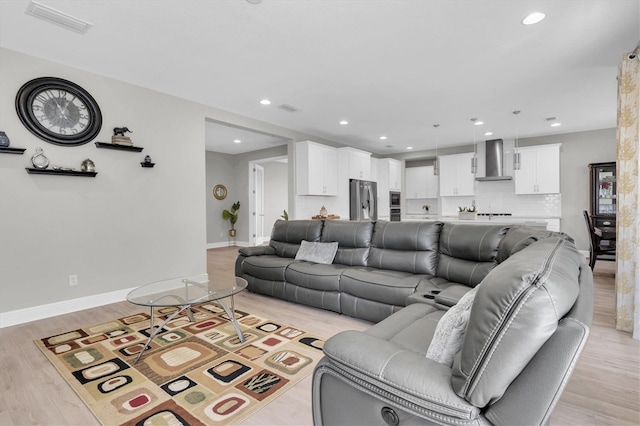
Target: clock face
(58,111)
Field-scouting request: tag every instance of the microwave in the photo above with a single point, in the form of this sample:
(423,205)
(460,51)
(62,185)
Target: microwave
(394,199)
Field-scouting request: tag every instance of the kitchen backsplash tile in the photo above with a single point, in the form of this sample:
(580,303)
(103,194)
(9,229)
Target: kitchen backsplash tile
(500,197)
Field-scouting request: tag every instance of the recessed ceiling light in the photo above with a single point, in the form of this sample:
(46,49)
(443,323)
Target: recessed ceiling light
(237,141)
(488,134)
(265,102)
(409,148)
(533,18)
(344,122)
(383,138)
(556,124)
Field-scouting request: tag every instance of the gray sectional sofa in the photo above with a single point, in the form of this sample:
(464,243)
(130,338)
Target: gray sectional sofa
(476,324)
(379,267)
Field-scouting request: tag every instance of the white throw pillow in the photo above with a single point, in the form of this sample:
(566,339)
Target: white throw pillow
(317,252)
(449,335)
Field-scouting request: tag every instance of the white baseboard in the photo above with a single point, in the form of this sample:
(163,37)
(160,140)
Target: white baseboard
(20,316)
(226,244)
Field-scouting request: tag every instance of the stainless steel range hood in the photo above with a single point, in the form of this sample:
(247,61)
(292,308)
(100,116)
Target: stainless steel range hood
(494,161)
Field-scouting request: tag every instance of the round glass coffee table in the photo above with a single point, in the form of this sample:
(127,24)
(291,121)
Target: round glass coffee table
(184,292)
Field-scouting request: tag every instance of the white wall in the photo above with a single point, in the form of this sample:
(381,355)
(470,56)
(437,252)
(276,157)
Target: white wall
(127,226)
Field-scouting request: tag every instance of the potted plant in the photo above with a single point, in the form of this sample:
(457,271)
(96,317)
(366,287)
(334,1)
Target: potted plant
(467,213)
(232,216)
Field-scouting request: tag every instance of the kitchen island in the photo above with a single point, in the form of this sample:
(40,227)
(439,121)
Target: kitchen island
(541,222)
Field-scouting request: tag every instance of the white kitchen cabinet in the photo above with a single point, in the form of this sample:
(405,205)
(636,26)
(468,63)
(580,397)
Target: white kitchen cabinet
(456,178)
(357,162)
(416,182)
(420,182)
(316,169)
(539,170)
(390,174)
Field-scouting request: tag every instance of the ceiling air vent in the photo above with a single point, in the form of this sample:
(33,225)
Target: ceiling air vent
(289,107)
(54,16)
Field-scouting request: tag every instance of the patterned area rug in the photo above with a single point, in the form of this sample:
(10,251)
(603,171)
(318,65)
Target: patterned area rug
(193,373)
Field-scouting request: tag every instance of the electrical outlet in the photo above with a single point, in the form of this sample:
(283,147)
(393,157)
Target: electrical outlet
(73,280)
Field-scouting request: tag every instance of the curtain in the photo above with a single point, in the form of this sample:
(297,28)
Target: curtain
(628,201)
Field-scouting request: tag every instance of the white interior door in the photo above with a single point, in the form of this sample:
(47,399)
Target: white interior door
(258,185)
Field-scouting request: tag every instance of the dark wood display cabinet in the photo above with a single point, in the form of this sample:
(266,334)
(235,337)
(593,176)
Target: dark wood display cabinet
(603,200)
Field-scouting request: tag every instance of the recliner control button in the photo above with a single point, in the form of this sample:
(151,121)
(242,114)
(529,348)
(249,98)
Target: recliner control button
(389,416)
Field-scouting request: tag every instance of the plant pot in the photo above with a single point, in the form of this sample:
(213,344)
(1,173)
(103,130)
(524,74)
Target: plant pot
(232,233)
(467,215)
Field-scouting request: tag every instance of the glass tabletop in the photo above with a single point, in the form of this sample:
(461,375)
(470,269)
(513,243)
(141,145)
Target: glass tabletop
(186,290)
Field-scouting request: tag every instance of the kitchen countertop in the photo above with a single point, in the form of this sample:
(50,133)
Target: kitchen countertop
(539,221)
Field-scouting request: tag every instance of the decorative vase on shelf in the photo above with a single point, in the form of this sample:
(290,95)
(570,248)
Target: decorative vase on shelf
(4,140)
(323,212)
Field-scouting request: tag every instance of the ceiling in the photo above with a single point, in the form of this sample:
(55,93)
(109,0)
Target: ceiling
(390,67)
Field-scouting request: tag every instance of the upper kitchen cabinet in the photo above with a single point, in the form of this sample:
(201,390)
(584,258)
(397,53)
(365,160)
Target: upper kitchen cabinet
(421,182)
(456,178)
(357,162)
(316,169)
(392,169)
(539,170)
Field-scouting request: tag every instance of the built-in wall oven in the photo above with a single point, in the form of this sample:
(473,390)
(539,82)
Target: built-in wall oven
(394,214)
(394,199)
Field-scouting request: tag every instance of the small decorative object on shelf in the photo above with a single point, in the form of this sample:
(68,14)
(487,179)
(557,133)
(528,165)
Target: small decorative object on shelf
(426,208)
(147,162)
(4,140)
(119,138)
(88,166)
(39,160)
(323,212)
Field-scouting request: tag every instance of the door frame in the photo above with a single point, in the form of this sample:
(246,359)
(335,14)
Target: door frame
(253,196)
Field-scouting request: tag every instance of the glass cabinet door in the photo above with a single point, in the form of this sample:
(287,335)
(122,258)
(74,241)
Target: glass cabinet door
(605,185)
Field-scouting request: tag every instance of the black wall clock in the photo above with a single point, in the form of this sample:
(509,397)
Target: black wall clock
(58,111)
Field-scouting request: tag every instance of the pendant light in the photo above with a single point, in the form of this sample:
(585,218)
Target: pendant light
(516,154)
(474,160)
(436,163)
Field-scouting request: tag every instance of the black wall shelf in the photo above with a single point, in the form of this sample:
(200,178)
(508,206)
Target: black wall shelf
(33,171)
(9,150)
(119,147)
(143,164)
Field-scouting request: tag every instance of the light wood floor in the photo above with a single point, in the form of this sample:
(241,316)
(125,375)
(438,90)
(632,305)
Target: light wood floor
(604,388)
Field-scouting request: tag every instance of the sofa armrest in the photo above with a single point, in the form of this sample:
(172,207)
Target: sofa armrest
(406,374)
(451,295)
(256,251)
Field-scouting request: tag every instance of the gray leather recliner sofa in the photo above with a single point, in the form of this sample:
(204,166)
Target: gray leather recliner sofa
(380,267)
(527,325)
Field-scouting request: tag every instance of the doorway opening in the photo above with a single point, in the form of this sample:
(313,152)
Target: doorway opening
(268,196)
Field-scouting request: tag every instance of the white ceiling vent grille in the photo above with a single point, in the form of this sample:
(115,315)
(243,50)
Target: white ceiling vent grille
(289,107)
(54,16)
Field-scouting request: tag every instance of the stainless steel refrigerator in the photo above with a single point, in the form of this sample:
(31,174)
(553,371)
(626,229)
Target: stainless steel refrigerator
(363,200)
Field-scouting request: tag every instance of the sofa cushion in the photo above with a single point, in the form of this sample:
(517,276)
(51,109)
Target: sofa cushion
(405,246)
(286,235)
(354,240)
(381,285)
(515,311)
(317,252)
(315,276)
(268,267)
(519,237)
(468,251)
(448,336)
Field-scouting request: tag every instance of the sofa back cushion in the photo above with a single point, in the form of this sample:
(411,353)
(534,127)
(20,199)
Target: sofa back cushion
(519,237)
(405,246)
(354,240)
(287,235)
(468,251)
(516,309)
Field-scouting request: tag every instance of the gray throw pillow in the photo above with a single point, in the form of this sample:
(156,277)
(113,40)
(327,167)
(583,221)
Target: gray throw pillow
(449,335)
(317,252)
